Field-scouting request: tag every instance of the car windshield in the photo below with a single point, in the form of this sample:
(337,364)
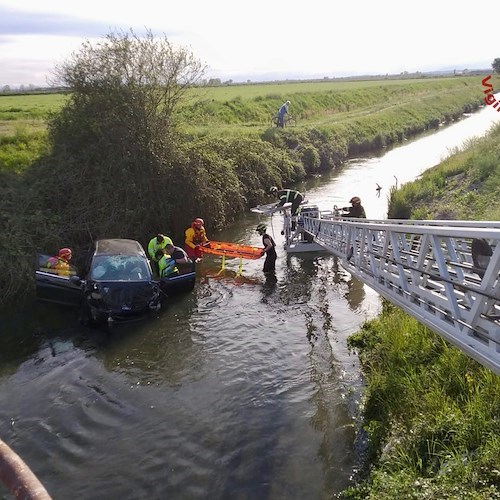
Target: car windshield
(119,268)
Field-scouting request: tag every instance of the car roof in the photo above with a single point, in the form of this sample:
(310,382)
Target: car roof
(118,247)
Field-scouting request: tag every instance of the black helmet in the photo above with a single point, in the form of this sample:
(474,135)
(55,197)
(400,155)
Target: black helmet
(273,190)
(261,227)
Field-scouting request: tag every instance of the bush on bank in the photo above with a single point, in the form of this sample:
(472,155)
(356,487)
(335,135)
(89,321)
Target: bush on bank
(431,413)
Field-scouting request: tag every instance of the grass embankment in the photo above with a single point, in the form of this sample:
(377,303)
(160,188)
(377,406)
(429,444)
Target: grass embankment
(432,414)
(92,176)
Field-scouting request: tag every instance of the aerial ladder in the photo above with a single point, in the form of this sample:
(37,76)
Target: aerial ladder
(430,268)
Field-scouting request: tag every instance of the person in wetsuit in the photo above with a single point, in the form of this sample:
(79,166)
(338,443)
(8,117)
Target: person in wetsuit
(269,249)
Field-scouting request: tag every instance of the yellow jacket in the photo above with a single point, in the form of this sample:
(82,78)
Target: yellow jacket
(195,237)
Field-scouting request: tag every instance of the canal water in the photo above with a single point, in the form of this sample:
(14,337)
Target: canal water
(243,389)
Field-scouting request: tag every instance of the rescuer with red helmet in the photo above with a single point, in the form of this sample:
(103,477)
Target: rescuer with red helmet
(60,263)
(196,236)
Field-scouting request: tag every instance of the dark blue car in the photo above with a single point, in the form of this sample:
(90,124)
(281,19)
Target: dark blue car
(118,283)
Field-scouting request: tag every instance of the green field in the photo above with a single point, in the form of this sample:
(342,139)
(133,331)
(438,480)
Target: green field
(249,107)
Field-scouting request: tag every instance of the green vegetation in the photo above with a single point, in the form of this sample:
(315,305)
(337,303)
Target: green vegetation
(132,151)
(466,186)
(496,64)
(432,414)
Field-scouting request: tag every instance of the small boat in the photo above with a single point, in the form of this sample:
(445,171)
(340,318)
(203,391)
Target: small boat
(232,250)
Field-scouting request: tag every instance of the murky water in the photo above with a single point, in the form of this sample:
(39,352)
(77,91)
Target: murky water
(242,389)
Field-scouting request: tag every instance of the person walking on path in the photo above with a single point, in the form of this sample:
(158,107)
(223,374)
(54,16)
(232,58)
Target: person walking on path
(378,189)
(281,114)
(269,249)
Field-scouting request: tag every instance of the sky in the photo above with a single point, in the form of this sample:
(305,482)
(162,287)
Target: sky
(256,40)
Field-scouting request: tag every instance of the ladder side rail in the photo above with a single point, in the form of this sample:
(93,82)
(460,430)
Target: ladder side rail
(374,250)
(396,241)
(422,246)
(437,222)
(427,270)
(489,233)
(437,298)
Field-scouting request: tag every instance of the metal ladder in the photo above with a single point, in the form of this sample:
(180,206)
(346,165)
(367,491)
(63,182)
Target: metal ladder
(426,268)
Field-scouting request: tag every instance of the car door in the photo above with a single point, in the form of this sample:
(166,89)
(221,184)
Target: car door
(51,287)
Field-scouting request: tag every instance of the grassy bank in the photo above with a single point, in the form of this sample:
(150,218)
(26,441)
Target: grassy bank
(431,414)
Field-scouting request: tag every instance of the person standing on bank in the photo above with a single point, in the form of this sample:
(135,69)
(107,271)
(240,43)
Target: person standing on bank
(269,249)
(282,112)
(289,196)
(356,210)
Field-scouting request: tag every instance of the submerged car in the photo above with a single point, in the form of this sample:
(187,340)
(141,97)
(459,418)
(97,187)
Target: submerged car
(118,283)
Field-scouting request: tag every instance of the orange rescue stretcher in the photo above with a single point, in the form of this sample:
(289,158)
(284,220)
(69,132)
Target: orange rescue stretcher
(231,250)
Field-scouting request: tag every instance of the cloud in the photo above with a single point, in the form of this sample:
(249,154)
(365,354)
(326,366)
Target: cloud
(16,23)
(256,39)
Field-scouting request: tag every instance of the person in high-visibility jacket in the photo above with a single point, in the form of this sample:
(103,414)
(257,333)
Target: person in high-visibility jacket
(60,264)
(159,241)
(166,264)
(289,196)
(196,236)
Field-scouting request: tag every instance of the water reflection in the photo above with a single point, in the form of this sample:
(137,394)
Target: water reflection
(159,351)
(269,287)
(356,293)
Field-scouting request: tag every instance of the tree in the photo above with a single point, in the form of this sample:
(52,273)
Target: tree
(496,65)
(114,139)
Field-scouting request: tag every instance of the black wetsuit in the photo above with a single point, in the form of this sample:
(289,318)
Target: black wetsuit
(271,256)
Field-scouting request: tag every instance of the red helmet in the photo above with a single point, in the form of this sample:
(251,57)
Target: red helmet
(198,220)
(65,253)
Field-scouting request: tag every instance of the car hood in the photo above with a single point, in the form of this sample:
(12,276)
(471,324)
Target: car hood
(121,296)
